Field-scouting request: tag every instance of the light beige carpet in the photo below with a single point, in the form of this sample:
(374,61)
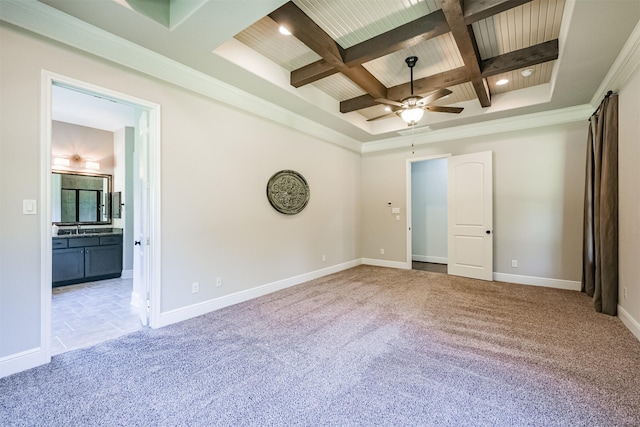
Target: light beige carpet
(367,346)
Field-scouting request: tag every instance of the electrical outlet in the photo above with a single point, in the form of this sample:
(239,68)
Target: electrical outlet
(324,258)
(514,263)
(381,251)
(195,287)
(625,293)
(219,282)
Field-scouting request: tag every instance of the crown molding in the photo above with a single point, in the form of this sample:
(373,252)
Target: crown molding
(626,63)
(44,20)
(56,25)
(526,121)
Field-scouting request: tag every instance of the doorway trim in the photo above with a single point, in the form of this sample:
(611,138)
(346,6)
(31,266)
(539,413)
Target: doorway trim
(408,264)
(48,79)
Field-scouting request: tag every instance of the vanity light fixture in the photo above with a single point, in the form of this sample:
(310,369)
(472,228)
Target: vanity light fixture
(502,82)
(61,161)
(92,165)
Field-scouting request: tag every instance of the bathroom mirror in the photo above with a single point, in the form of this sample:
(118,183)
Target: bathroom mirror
(80,198)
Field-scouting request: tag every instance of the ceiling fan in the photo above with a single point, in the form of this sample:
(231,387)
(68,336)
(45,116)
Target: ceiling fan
(412,108)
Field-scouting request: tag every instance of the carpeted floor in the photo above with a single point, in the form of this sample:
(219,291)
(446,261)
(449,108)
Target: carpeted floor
(367,346)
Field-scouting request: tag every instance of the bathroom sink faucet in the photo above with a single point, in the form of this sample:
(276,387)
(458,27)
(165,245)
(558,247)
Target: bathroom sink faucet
(77,228)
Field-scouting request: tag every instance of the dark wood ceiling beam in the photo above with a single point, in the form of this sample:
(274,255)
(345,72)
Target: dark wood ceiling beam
(527,57)
(311,73)
(409,34)
(466,42)
(475,10)
(308,32)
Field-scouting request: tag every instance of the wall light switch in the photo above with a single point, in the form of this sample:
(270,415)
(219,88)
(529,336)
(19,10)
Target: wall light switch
(29,207)
(395,210)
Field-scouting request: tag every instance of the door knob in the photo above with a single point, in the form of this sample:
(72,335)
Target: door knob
(488,231)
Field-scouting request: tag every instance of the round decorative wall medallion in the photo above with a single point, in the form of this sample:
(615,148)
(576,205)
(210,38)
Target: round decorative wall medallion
(288,192)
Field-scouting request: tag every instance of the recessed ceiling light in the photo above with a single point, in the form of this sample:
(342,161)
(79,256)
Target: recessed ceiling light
(527,72)
(502,82)
(284,31)
(387,108)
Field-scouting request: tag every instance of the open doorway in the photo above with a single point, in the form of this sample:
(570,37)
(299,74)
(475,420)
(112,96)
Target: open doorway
(114,296)
(92,204)
(427,195)
(465,194)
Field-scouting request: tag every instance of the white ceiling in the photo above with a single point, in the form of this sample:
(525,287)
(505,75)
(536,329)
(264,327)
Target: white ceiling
(591,33)
(90,110)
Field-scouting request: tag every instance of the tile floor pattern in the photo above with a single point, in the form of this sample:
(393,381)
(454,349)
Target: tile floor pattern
(89,313)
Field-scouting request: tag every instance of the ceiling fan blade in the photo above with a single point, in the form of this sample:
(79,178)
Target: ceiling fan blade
(384,116)
(437,109)
(389,102)
(440,93)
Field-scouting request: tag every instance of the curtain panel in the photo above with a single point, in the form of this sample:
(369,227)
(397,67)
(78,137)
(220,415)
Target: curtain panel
(600,239)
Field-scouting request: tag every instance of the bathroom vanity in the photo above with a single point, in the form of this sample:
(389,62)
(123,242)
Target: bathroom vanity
(91,254)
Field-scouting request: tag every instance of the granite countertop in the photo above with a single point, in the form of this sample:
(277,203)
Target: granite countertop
(87,232)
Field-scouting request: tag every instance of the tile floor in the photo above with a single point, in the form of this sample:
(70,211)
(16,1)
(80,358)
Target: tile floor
(89,313)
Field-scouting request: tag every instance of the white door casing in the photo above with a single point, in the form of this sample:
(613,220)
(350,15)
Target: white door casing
(141,257)
(470,215)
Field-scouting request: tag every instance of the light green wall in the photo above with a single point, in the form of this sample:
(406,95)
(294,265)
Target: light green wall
(629,193)
(216,220)
(538,192)
(429,210)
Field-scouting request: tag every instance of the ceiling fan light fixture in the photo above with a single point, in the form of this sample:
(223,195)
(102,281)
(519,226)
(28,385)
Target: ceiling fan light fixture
(412,116)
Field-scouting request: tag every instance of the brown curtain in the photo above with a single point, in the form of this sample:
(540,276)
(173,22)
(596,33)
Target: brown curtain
(600,245)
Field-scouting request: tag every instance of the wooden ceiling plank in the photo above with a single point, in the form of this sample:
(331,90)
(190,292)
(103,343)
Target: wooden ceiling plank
(476,10)
(466,42)
(308,32)
(527,57)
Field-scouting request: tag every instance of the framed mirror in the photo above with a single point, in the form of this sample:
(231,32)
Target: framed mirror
(80,198)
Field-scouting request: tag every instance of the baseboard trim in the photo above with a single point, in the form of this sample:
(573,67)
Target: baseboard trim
(632,324)
(537,281)
(22,361)
(185,313)
(432,259)
(386,263)
(127,274)
(135,299)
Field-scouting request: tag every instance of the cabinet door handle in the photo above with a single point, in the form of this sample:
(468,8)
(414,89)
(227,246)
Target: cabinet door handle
(137,242)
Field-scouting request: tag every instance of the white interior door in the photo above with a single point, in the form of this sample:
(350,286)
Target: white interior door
(470,216)
(141,258)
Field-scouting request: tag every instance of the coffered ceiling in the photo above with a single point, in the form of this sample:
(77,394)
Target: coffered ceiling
(344,54)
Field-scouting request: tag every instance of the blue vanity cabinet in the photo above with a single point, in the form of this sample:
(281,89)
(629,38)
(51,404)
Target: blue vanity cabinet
(83,259)
(68,265)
